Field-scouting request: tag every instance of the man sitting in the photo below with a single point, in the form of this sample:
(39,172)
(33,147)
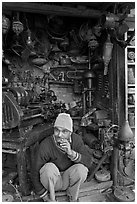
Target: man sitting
(62,162)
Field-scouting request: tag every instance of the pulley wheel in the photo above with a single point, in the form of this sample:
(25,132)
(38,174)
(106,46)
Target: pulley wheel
(21,95)
(124,194)
(102,175)
(97,154)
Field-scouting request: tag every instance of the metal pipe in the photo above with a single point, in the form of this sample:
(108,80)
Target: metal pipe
(90,92)
(115,165)
(84,102)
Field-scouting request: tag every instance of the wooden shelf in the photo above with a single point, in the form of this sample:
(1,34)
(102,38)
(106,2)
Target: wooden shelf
(45,8)
(131,63)
(131,46)
(76,118)
(131,106)
(131,91)
(129,88)
(131,85)
(72,67)
(61,66)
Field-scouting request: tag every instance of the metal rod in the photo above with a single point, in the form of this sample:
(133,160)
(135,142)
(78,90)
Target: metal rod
(98,166)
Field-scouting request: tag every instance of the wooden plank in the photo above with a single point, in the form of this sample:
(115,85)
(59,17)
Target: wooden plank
(9,151)
(62,199)
(22,171)
(84,196)
(93,198)
(50,9)
(93,185)
(92,192)
(9,145)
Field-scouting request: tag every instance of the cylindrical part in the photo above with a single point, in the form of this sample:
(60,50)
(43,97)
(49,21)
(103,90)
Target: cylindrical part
(114,170)
(90,92)
(89,76)
(90,83)
(84,103)
(90,98)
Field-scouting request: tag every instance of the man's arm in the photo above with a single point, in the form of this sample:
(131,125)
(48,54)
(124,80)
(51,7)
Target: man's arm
(77,152)
(81,152)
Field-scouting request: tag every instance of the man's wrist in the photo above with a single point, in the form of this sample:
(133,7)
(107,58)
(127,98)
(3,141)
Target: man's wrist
(74,156)
(70,153)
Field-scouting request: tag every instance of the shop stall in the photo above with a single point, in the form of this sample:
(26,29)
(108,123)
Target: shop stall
(77,58)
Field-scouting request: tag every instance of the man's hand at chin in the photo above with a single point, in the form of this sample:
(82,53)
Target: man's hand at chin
(65,145)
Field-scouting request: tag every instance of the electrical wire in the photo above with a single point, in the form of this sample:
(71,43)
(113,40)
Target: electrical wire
(10,182)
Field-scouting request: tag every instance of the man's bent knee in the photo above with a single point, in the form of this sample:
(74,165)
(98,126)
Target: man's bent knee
(82,171)
(49,169)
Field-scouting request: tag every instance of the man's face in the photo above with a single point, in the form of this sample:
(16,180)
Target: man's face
(61,134)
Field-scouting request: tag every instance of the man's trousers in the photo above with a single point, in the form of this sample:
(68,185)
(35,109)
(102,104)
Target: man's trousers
(69,180)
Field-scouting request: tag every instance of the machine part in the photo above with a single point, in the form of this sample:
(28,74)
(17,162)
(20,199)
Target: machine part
(84,102)
(73,33)
(75,74)
(39,61)
(85,32)
(79,59)
(125,133)
(89,139)
(90,112)
(93,43)
(64,44)
(61,76)
(11,112)
(102,91)
(57,27)
(97,154)
(100,82)
(124,194)
(89,76)
(107,53)
(5,24)
(99,117)
(104,157)
(65,60)
(21,95)
(102,175)
(7,197)
(107,135)
(77,87)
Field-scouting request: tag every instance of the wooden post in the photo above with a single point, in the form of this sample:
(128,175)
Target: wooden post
(22,171)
